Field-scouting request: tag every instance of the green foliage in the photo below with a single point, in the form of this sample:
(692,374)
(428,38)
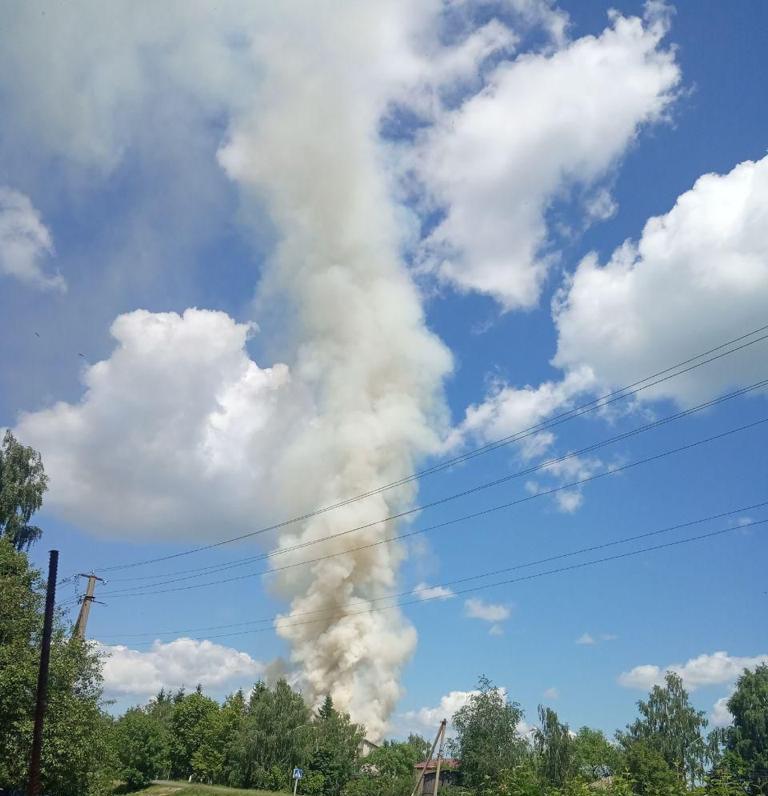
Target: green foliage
(76,759)
(192,715)
(650,773)
(388,770)
(22,484)
(336,742)
(746,741)
(393,759)
(367,785)
(669,725)
(554,748)
(521,779)
(142,746)
(487,741)
(420,745)
(594,757)
(274,735)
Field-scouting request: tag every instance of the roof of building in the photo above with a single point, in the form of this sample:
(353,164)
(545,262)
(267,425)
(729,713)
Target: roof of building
(448,762)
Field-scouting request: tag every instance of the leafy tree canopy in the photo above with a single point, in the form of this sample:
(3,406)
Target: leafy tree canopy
(487,739)
(671,726)
(22,484)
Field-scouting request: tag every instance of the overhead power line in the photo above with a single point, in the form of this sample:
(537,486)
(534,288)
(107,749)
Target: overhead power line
(456,520)
(338,615)
(537,562)
(624,392)
(544,465)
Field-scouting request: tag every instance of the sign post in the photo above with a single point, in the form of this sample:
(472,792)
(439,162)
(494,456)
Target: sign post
(297,775)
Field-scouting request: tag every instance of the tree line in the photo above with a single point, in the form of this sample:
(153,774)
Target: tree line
(255,739)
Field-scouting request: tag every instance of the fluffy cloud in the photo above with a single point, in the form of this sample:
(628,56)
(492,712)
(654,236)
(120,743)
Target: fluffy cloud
(25,242)
(430,717)
(475,608)
(707,258)
(551,693)
(543,124)
(424,592)
(719,667)
(183,662)
(427,719)
(172,433)
(720,716)
(586,638)
(508,411)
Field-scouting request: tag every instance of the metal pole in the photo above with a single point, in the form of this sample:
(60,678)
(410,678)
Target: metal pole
(42,676)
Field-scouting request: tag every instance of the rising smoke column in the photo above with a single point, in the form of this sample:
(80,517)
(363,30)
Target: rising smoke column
(371,369)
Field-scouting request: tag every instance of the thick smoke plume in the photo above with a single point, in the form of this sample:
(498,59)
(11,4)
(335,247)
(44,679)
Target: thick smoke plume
(370,369)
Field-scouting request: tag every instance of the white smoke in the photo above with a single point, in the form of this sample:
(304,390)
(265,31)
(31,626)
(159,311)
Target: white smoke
(363,352)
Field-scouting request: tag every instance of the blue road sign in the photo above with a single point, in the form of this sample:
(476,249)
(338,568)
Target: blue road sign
(297,773)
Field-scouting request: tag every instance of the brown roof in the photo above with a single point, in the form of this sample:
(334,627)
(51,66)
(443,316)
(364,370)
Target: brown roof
(448,762)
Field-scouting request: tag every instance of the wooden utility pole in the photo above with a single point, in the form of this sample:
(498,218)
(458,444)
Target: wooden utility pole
(42,676)
(439,759)
(85,605)
(438,737)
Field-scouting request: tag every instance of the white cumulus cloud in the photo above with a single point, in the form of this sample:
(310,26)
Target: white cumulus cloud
(171,434)
(183,662)
(543,124)
(25,242)
(430,717)
(697,276)
(703,670)
(720,715)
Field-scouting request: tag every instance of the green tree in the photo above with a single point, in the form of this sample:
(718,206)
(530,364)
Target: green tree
(670,725)
(76,757)
(394,759)
(746,741)
(190,714)
(142,745)
(216,758)
(387,771)
(420,744)
(594,756)
(22,484)
(274,736)
(336,744)
(487,740)
(554,748)
(649,772)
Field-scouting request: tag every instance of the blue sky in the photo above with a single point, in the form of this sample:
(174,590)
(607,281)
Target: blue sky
(387,296)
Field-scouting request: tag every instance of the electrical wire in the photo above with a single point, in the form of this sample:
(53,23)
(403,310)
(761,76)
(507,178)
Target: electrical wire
(463,518)
(544,465)
(537,562)
(619,394)
(333,617)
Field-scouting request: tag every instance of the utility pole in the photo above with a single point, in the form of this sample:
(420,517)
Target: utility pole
(440,735)
(42,676)
(439,758)
(85,605)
